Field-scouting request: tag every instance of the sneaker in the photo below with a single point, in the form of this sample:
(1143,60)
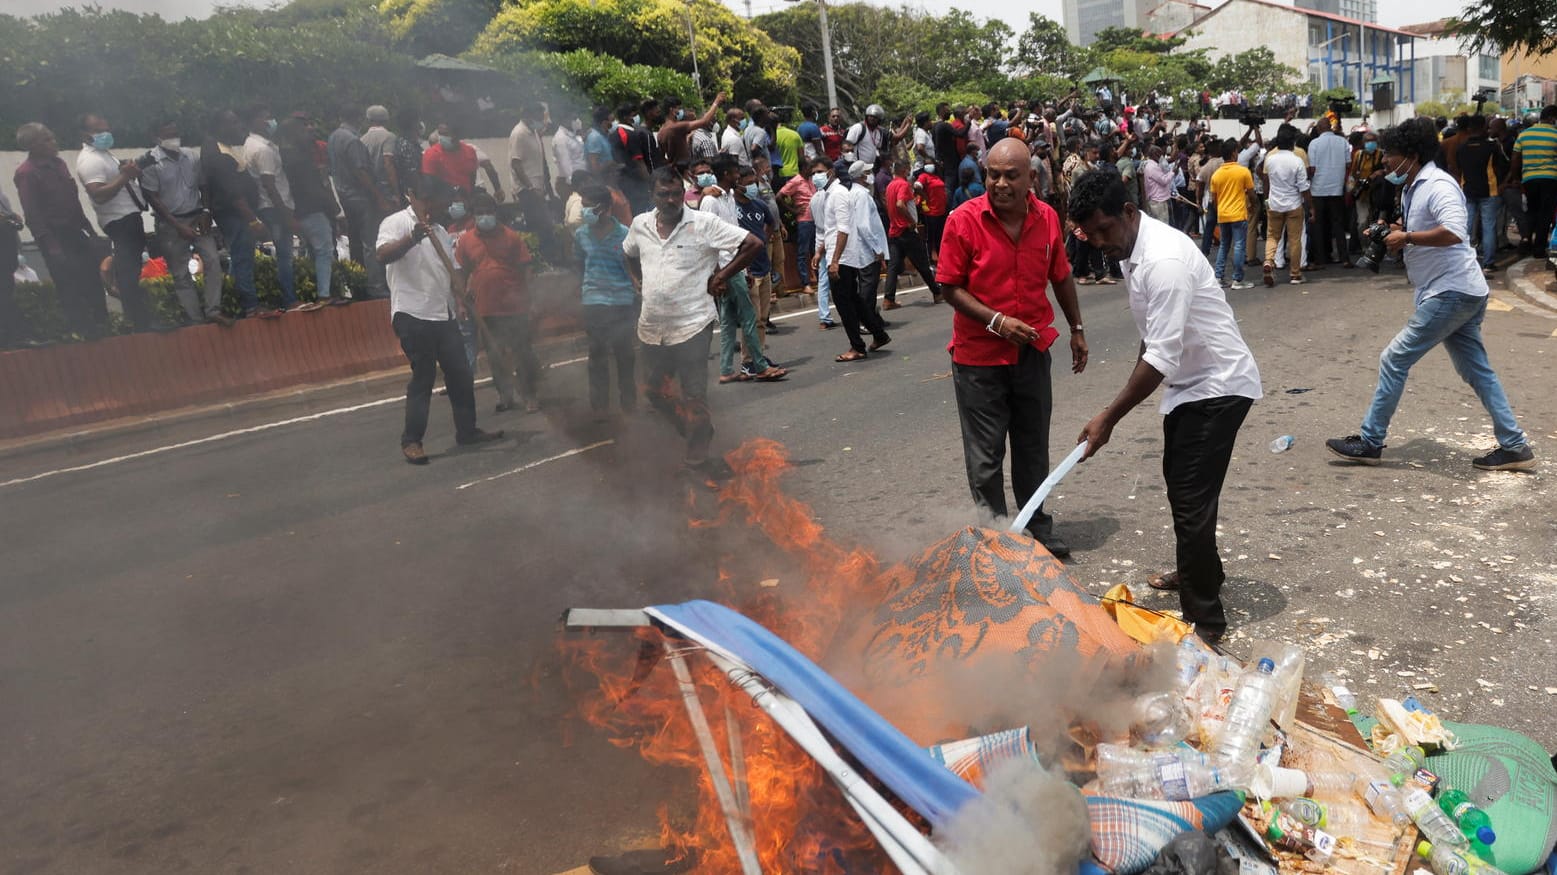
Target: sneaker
(1296,281)
(1501,459)
(1239,285)
(1353,448)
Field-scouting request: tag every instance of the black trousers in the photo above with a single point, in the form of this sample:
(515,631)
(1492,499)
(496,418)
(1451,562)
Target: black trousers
(686,404)
(1198,439)
(77,284)
(854,296)
(537,220)
(934,227)
(12,325)
(1540,204)
(610,330)
(515,368)
(1331,222)
(1000,403)
(128,236)
(430,346)
(909,246)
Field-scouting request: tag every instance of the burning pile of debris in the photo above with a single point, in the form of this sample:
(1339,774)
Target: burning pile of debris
(979,713)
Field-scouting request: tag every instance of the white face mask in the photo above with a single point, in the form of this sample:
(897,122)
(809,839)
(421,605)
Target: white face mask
(171,144)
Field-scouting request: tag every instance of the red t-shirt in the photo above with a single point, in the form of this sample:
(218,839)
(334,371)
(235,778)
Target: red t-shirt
(457,168)
(934,199)
(832,142)
(1011,277)
(960,128)
(898,220)
(495,266)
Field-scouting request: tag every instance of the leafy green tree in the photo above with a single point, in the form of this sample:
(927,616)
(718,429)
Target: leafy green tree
(1045,49)
(442,26)
(1135,40)
(1255,71)
(1526,26)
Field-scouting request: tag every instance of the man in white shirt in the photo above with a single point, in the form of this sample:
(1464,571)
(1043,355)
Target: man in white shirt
(423,308)
(1287,202)
(1191,346)
(675,253)
(568,150)
(114,190)
(731,142)
(856,247)
(275,201)
(1331,155)
(532,176)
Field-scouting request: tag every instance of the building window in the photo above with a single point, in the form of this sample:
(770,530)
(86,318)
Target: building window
(1487,67)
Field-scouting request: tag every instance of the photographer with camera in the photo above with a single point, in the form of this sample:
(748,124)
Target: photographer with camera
(1451,300)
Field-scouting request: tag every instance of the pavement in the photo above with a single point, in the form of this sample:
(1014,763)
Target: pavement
(268,645)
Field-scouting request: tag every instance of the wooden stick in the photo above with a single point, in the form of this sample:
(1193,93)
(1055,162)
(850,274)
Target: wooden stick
(469,300)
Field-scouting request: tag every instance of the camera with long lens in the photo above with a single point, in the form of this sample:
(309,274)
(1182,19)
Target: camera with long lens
(1252,118)
(1373,249)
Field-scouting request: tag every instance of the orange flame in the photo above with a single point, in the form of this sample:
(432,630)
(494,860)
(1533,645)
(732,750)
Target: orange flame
(799,820)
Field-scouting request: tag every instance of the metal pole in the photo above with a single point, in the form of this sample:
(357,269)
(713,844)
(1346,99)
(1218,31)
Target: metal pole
(827,54)
(697,80)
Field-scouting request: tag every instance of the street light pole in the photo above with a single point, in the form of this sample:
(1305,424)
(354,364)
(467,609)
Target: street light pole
(697,79)
(827,54)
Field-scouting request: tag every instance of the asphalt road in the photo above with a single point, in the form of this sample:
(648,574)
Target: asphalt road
(287,651)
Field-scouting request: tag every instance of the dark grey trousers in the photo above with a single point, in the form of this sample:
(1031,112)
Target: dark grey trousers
(1000,403)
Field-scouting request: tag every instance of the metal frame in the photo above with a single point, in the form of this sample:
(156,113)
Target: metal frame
(909,849)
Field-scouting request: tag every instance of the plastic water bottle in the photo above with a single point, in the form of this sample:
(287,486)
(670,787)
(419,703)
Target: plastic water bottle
(1385,801)
(1403,763)
(1449,861)
(1282,444)
(1434,824)
(1471,820)
(1160,719)
(1343,696)
(1248,715)
(1173,775)
(1290,834)
(1337,819)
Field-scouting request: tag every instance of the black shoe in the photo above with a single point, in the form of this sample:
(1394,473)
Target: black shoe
(1056,546)
(1353,448)
(1501,459)
(480,436)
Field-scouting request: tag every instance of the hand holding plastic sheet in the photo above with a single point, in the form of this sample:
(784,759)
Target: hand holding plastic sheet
(1047,486)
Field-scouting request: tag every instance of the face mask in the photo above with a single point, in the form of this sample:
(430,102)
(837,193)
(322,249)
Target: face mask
(171,144)
(456,211)
(484,222)
(745,123)
(637,120)
(929,168)
(1395,177)
(753,192)
(270,127)
(104,140)
(447,142)
(704,180)
(1370,146)
(819,180)
(591,215)
(681,115)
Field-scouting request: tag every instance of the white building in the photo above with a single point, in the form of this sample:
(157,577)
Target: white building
(1333,51)
(1445,68)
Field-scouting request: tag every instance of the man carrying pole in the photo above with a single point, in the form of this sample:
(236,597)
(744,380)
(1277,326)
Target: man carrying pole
(424,286)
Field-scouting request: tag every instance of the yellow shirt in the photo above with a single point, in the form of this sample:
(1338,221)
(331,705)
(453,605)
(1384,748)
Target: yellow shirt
(1230,186)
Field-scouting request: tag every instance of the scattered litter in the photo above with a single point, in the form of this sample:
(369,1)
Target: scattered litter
(769,583)
(1300,391)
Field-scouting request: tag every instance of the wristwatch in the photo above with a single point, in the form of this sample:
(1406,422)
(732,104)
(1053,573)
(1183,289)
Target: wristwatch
(1077,329)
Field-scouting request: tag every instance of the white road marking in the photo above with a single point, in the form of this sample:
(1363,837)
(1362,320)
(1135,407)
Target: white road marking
(538,462)
(325,414)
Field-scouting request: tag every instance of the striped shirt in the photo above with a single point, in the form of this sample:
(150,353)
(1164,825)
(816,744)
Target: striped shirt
(1538,146)
(605,281)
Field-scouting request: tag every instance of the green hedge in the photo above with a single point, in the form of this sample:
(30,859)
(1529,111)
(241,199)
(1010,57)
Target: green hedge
(46,321)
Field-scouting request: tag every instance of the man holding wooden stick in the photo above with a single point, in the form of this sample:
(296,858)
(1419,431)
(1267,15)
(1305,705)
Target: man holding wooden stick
(424,287)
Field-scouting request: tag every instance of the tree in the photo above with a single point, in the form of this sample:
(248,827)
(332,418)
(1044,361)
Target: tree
(1253,72)
(1133,39)
(1527,26)
(1045,49)
(442,26)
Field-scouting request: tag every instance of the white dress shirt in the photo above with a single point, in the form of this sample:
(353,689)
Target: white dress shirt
(676,303)
(867,222)
(1288,177)
(1330,153)
(419,284)
(95,165)
(1185,321)
(731,143)
(722,206)
(1434,198)
(846,213)
(568,149)
(265,160)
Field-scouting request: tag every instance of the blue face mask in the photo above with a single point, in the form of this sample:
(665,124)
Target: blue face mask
(819,180)
(447,142)
(456,211)
(485,222)
(1370,146)
(103,140)
(1395,177)
(745,123)
(753,192)
(704,180)
(270,127)
(591,215)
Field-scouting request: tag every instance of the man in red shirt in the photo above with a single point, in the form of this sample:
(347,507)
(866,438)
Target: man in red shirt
(1001,251)
(932,196)
(497,262)
(451,160)
(903,240)
(832,134)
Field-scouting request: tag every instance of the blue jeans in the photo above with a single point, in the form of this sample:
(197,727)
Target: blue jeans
(824,295)
(1454,320)
(1484,212)
(738,321)
(281,238)
(804,247)
(240,253)
(320,238)
(1234,235)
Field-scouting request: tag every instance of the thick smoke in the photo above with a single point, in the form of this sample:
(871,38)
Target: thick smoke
(1030,821)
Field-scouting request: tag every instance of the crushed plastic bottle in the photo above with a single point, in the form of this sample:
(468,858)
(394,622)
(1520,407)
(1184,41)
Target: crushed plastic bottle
(1384,800)
(1282,444)
(1434,824)
(1248,715)
(1160,719)
(1343,696)
(1337,819)
(1451,861)
(1174,775)
(1472,821)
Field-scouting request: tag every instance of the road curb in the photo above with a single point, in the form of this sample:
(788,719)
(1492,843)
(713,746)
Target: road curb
(1520,281)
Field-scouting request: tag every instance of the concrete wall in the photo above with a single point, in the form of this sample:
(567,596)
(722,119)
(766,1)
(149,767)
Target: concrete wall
(1239,27)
